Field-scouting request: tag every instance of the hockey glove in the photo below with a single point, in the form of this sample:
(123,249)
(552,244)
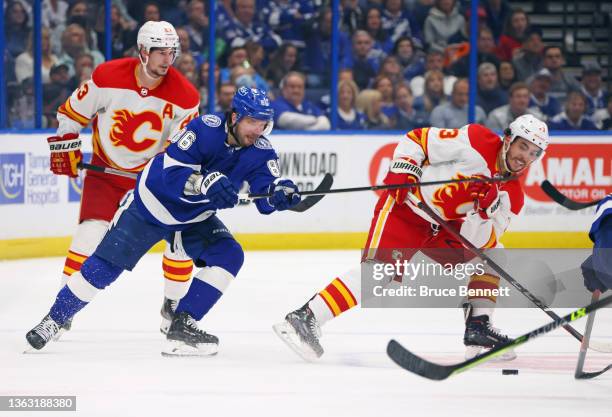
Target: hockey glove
(402,171)
(590,275)
(218,189)
(486,198)
(285,194)
(65,154)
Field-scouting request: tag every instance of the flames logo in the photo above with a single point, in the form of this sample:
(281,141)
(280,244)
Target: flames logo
(453,200)
(127,123)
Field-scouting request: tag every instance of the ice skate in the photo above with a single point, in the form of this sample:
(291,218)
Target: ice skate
(301,332)
(167,313)
(480,335)
(63,329)
(42,333)
(184,338)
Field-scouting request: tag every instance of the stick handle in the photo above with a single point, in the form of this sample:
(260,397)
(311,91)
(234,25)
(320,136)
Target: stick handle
(107,170)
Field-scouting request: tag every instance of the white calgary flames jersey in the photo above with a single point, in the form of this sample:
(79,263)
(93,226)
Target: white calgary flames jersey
(454,154)
(130,123)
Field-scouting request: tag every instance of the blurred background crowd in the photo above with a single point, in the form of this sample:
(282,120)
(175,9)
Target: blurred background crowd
(403,63)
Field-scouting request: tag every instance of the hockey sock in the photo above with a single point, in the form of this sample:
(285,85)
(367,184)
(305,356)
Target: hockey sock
(206,289)
(74,262)
(340,295)
(177,277)
(482,303)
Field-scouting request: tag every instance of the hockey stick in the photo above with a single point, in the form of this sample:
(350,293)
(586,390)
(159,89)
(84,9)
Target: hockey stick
(383,187)
(580,374)
(558,197)
(479,253)
(302,206)
(413,363)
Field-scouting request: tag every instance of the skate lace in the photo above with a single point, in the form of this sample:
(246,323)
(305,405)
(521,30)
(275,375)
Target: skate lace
(314,327)
(173,305)
(194,325)
(496,332)
(46,329)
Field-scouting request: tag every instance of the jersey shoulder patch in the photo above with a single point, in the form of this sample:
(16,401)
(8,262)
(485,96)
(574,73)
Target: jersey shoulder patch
(211,120)
(263,143)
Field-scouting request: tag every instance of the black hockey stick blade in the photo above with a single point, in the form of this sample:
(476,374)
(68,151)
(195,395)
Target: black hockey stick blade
(310,201)
(430,370)
(591,375)
(559,198)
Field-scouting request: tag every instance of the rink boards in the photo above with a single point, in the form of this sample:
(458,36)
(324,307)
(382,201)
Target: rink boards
(39,211)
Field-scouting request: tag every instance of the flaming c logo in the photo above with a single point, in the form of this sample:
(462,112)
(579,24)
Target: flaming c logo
(127,123)
(453,199)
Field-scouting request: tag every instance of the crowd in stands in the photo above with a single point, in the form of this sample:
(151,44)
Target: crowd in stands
(403,63)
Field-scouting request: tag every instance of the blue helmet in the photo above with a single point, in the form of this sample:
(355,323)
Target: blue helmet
(253,102)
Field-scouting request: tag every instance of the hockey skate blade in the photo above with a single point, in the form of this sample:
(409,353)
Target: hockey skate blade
(472,351)
(176,348)
(289,336)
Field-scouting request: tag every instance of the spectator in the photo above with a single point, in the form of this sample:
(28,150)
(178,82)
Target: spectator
(443,21)
(369,102)
(407,117)
(373,25)
(53,13)
(397,22)
(150,12)
(433,61)
(574,117)
(185,44)
(292,111)
(83,68)
(412,61)
(507,75)
(501,117)
(349,118)
(197,29)
(16,30)
(384,85)
(433,94)
(364,61)
(345,74)
(498,12)
(78,13)
(255,56)
(289,19)
(238,57)
(24,64)
(244,27)
(21,106)
(74,43)
(591,88)
(490,95)
(562,83)
(603,117)
(120,35)
(391,68)
(55,93)
(284,60)
(486,53)
(186,65)
(454,113)
(224,97)
(419,11)
(352,15)
(528,59)
(540,97)
(203,84)
(317,56)
(514,33)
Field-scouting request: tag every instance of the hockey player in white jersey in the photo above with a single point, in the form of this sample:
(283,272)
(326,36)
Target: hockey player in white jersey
(133,105)
(480,211)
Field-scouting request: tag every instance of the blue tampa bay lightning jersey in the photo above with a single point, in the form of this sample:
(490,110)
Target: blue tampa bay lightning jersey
(202,146)
(604,209)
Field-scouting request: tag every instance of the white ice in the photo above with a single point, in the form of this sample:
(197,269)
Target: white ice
(111,359)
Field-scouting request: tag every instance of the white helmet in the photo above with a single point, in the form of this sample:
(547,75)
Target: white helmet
(530,128)
(158,35)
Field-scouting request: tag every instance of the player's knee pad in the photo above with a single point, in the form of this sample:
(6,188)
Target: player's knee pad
(88,235)
(99,272)
(226,254)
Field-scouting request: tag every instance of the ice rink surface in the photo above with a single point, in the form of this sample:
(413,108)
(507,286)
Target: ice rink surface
(111,359)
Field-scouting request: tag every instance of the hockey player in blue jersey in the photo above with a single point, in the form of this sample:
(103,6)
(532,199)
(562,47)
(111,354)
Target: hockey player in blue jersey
(176,199)
(597,269)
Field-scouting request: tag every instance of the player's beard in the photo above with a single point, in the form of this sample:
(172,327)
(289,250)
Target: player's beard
(159,72)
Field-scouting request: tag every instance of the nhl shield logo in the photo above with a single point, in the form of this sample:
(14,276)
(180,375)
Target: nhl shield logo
(144,91)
